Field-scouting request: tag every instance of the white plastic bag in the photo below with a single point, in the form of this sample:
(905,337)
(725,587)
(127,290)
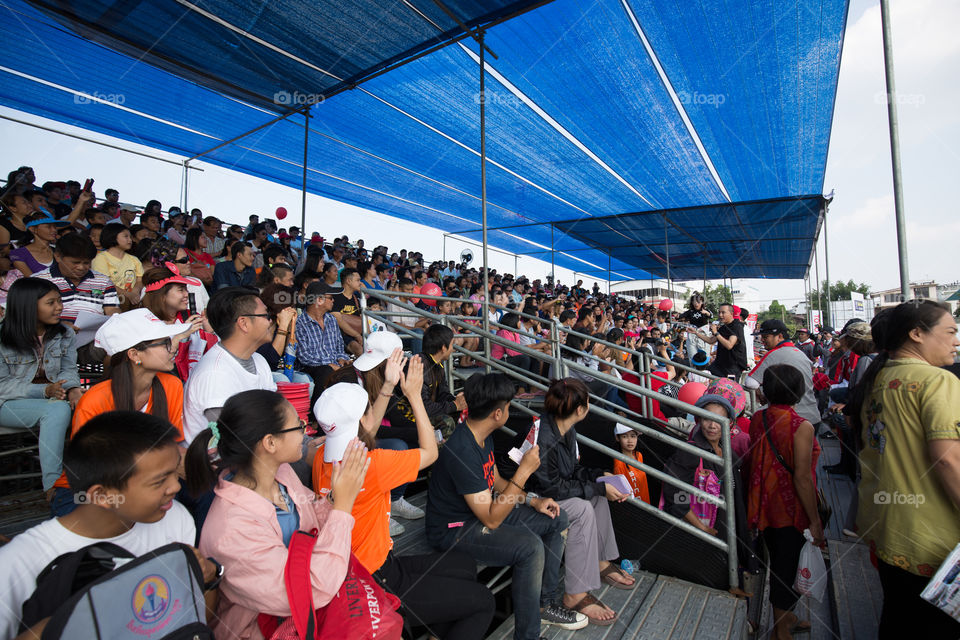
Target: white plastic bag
(811,577)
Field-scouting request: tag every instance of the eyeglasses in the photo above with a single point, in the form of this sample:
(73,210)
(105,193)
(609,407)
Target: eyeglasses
(269,315)
(166,342)
(300,427)
(181,260)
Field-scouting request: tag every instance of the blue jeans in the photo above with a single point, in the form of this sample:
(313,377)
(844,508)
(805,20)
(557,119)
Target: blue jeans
(394,444)
(416,342)
(53,419)
(531,543)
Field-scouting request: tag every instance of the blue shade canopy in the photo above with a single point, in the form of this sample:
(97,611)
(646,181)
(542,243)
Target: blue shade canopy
(594,110)
(739,240)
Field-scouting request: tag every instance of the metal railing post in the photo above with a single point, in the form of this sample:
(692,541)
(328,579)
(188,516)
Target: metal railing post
(449,367)
(363,315)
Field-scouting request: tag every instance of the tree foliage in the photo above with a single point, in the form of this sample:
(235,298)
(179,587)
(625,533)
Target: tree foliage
(715,295)
(778,311)
(839,290)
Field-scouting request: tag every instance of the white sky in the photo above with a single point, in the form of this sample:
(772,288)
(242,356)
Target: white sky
(861,227)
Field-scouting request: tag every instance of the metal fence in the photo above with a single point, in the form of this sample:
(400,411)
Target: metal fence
(562,366)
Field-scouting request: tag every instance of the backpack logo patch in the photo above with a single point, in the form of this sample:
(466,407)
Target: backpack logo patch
(151,602)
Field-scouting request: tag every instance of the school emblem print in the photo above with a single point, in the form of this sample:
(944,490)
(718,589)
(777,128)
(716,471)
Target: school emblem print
(151,599)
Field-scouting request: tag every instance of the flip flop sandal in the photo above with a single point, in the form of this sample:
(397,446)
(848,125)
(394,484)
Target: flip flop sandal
(588,600)
(605,577)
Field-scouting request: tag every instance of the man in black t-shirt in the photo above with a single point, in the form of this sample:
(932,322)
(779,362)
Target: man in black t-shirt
(472,509)
(346,309)
(728,336)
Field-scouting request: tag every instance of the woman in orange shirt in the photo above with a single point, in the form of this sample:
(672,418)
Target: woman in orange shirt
(438,591)
(141,349)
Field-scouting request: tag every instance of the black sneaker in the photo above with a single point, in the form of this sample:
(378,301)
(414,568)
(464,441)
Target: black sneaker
(559,616)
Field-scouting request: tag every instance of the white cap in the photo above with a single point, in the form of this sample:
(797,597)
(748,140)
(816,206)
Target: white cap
(621,429)
(124,330)
(338,411)
(377,348)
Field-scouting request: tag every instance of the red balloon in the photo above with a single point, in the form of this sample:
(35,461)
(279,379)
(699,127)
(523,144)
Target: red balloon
(430,289)
(691,392)
(666,304)
(281,213)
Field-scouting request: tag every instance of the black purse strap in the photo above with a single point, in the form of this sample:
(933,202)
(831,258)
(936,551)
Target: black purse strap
(766,431)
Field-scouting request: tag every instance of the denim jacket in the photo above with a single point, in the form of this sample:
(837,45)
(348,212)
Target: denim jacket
(18,369)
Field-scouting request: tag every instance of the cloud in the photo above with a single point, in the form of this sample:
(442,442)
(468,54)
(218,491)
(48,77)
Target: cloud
(873,213)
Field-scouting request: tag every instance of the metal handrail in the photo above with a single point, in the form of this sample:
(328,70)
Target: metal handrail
(726,459)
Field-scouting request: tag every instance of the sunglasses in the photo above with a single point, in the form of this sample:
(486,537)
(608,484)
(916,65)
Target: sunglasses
(300,427)
(181,260)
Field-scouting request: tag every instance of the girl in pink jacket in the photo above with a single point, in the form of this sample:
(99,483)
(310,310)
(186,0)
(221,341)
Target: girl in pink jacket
(259,503)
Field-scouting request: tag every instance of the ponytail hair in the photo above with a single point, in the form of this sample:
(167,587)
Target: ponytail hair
(890,330)
(120,374)
(246,419)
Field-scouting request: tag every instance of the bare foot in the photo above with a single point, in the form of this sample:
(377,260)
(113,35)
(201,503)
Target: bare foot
(596,610)
(618,575)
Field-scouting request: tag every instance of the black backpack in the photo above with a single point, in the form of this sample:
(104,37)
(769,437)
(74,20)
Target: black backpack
(101,591)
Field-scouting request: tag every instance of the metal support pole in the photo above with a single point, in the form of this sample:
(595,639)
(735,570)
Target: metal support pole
(826,264)
(515,267)
(553,275)
(303,189)
(186,184)
(608,273)
(905,292)
(483,201)
(444,247)
(816,267)
(666,240)
(704,290)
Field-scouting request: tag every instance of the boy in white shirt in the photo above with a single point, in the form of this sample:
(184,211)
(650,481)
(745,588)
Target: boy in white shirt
(123,467)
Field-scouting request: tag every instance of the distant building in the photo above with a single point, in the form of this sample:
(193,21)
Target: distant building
(889,298)
(654,291)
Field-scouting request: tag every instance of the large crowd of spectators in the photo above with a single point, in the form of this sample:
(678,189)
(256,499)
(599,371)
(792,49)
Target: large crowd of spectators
(206,332)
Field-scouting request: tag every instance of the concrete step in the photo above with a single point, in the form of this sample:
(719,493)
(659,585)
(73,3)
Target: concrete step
(659,608)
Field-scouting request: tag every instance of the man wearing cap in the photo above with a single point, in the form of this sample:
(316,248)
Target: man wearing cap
(808,345)
(320,349)
(238,271)
(126,214)
(241,321)
(773,334)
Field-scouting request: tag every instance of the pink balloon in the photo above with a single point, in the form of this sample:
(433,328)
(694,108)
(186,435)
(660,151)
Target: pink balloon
(281,213)
(691,392)
(666,304)
(431,289)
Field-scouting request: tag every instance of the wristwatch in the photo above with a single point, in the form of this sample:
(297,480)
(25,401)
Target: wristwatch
(530,496)
(217,578)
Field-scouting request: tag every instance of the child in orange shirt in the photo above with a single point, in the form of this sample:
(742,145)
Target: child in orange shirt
(627,438)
